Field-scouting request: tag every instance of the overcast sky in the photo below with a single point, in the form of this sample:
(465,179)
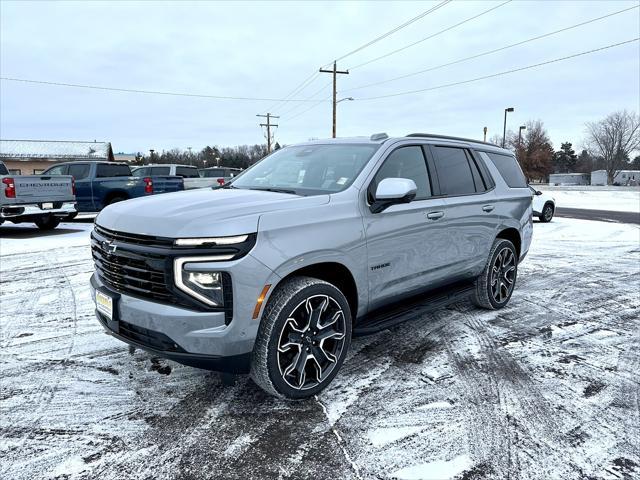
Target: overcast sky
(265,49)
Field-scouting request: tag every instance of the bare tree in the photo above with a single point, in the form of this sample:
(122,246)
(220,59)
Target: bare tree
(613,139)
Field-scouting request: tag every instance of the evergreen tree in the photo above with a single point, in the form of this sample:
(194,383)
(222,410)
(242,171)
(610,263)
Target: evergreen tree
(565,159)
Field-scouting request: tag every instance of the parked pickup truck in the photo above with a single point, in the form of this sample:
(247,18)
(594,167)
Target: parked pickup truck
(45,200)
(274,272)
(99,184)
(188,173)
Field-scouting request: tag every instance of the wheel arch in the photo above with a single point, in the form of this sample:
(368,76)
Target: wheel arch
(335,273)
(115,193)
(513,235)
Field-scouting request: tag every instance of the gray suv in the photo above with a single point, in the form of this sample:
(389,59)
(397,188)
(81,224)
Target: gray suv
(275,272)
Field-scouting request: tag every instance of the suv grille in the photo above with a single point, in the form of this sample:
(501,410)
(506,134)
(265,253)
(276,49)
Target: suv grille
(142,266)
(140,274)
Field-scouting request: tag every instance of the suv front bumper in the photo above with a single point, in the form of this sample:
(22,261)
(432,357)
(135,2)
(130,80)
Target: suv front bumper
(204,339)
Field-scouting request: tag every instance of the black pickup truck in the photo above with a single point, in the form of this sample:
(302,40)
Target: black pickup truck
(99,184)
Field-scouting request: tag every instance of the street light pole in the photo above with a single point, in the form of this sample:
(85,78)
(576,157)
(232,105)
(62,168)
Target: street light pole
(504,129)
(151,150)
(522,127)
(485,133)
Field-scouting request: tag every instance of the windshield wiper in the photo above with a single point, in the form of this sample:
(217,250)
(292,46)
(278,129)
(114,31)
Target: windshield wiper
(275,189)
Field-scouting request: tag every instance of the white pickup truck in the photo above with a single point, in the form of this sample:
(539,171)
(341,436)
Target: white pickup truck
(189,174)
(45,200)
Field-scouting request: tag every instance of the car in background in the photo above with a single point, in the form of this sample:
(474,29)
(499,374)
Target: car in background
(544,205)
(189,174)
(45,200)
(221,174)
(99,184)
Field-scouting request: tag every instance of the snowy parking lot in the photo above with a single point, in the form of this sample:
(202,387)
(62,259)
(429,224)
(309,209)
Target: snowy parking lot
(546,388)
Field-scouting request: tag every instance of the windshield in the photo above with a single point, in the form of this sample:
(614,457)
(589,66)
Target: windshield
(308,169)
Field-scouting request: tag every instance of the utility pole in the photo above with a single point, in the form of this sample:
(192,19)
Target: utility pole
(335,72)
(485,133)
(151,150)
(190,157)
(268,116)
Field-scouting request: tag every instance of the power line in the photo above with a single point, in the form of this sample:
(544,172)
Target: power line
(311,107)
(149,92)
(430,69)
(429,37)
(484,77)
(394,30)
(301,86)
(312,96)
(412,20)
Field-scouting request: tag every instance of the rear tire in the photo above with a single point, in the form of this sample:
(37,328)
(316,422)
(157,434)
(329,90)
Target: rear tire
(547,213)
(47,223)
(116,199)
(495,285)
(303,338)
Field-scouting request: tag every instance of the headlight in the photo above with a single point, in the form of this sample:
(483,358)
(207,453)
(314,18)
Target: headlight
(204,285)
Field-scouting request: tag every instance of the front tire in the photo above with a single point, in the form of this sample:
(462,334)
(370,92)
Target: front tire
(47,223)
(547,213)
(494,286)
(303,338)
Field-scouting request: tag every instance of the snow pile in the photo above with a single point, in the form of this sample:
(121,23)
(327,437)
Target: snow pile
(590,198)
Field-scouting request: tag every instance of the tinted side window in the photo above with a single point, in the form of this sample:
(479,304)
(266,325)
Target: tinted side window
(140,172)
(79,172)
(57,170)
(406,162)
(107,170)
(509,170)
(187,172)
(214,172)
(160,170)
(3,169)
(454,172)
(477,178)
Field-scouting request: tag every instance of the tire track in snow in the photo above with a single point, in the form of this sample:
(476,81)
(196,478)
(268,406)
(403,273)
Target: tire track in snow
(46,392)
(516,418)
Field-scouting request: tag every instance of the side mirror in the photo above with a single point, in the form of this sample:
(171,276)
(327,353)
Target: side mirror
(538,192)
(392,191)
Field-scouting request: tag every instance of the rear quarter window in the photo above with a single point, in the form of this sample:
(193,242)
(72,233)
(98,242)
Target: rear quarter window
(3,169)
(509,169)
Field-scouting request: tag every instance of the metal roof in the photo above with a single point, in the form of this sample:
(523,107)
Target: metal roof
(54,150)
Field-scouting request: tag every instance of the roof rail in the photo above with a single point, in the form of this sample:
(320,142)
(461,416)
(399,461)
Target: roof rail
(447,137)
(378,136)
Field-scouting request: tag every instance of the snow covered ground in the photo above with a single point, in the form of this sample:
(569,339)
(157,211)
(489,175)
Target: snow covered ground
(619,199)
(546,388)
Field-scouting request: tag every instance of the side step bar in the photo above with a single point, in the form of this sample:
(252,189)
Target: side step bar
(411,308)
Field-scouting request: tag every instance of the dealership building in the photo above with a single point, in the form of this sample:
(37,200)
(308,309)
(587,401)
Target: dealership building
(31,157)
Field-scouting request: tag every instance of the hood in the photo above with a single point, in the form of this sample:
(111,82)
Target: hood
(201,212)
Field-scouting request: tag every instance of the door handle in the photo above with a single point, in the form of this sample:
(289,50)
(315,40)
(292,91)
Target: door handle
(435,215)
(488,208)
